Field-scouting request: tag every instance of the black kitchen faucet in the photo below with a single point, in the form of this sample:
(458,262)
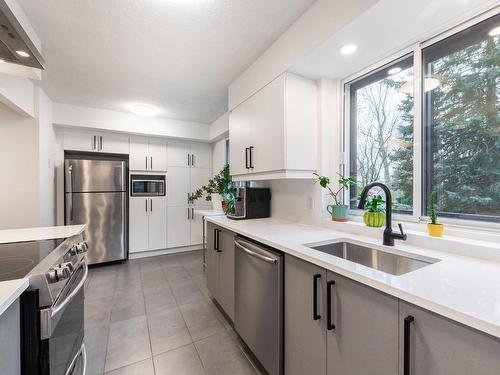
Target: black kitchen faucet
(389,235)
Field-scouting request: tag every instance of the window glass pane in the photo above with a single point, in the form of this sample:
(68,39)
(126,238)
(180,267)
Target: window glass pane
(462,122)
(381,131)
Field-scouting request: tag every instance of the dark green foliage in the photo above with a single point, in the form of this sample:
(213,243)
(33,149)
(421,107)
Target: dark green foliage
(374,204)
(222,184)
(344,183)
(432,208)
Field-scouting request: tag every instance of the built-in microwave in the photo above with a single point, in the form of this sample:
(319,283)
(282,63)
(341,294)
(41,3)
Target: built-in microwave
(147,185)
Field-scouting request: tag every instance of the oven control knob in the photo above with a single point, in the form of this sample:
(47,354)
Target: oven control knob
(82,247)
(60,272)
(73,250)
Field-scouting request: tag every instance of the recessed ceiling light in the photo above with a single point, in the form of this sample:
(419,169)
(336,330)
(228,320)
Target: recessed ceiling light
(22,53)
(495,31)
(143,109)
(395,70)
(348,49)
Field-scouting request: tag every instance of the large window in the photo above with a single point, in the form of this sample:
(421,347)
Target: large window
(462,122)
(459,126)
(381,131)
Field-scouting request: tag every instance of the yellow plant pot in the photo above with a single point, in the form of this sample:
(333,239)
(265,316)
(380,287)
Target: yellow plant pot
(435,230)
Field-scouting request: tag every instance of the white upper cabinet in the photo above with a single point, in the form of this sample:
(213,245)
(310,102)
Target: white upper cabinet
(201,155)
(148,154)
(80,140)
(273,134)
(179,154)
(178,186)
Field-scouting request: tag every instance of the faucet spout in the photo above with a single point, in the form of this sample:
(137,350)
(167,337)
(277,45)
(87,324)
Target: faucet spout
(389,235)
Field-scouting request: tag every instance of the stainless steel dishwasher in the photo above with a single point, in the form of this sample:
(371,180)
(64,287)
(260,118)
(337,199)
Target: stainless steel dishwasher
(259,302)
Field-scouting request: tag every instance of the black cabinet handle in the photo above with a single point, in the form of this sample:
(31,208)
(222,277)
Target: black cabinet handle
(215,239)
(329,287)
(407,344)
(316,277)
(251,158)
(246,157)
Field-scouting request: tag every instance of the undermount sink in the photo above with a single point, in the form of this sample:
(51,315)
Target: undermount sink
(377,259)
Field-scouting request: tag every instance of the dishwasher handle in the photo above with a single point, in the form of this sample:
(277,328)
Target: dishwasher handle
(254,254)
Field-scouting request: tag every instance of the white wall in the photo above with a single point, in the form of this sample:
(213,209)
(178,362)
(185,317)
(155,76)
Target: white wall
(46,159)
(102,119)
(218,155)
(19,197)
(219,128)
(319,22)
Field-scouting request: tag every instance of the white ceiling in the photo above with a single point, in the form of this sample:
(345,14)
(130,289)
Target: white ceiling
(384,29)
(179,55)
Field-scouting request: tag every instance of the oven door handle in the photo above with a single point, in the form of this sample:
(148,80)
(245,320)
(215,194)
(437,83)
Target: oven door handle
(82,352)
(57,309)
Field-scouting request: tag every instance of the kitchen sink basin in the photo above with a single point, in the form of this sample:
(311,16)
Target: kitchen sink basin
(377,259)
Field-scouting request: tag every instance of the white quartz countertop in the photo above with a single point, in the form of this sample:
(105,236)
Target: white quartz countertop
(463,289)
(10,290)
(39,233)
(208,213)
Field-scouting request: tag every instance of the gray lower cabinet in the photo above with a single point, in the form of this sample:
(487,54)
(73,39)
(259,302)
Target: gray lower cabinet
(364,339)
(357,335)
(438,346)
(10,343)
(305,317)
(220,267)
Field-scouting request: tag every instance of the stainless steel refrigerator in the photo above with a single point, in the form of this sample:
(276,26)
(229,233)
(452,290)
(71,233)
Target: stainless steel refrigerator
(96,195)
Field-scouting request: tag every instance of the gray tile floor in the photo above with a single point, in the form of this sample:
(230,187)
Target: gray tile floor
(154,316)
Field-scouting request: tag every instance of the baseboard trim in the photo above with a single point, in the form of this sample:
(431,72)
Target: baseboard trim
(174,250)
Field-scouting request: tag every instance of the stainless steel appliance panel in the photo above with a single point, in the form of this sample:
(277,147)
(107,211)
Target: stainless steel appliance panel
(105,216)
(95,175)
(259,303)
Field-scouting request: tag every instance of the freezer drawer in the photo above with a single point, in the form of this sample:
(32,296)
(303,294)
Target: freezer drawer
(259,302)
(105,217)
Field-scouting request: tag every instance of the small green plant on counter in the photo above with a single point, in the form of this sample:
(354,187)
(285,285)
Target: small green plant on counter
(432,208)
(344,183)
(375,215)
(222,184)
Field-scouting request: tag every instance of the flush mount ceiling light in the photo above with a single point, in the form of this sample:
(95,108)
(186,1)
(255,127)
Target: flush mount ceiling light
(348,49)
(143,109)
(22,53)
(495,31)
(394,70)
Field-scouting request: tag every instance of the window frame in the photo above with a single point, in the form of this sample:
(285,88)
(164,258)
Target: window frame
(418,132)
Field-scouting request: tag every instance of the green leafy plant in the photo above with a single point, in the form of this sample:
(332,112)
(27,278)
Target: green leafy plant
(374,204)
(344,183)
(222,184)
(432,208)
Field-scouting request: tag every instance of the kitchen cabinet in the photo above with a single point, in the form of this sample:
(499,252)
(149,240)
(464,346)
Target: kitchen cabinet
(114,143)
(220,267)
(347,329)
(438,346)
(178,186)
(182,154)
(365,337)
(179,226)
(147,224)
(199,178)
(305,331)
(273,134)
(10,340)
(148,154)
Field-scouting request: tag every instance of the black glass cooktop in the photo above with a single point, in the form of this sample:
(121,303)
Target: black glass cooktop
(17,259)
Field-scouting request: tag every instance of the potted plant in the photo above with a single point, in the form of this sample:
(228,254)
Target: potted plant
(221,184)
(338,210)
(434,229)
(375,215)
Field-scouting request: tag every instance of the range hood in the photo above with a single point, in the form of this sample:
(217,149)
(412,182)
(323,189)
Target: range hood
(15,45)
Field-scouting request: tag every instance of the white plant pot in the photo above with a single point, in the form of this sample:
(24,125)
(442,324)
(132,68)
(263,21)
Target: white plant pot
(217,202)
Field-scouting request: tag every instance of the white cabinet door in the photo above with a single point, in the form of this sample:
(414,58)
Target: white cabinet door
(239,135)
(113,143)
(157,155)
(266,114)
(178,154)
(199,178)
(139,157)
(178,186)
(157,223)
(178,226)
(201,154)
(196,229)
(138,224)
(80,141)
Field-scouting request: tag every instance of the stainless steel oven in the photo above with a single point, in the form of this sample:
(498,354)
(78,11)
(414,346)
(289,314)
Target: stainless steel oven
(147,185)
(52,313)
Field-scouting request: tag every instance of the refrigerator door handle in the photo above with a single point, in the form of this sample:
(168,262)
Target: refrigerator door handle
(70,191)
